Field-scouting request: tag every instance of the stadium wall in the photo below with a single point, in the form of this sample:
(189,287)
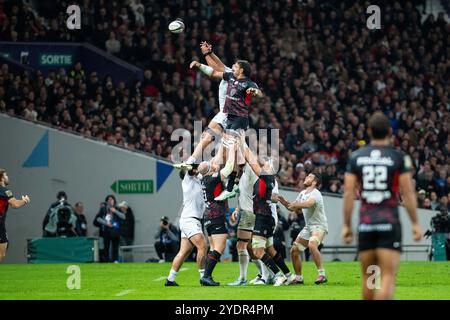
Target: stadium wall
(42,161)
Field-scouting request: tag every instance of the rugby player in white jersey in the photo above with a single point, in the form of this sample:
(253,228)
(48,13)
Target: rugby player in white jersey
(310,202)
(190,225)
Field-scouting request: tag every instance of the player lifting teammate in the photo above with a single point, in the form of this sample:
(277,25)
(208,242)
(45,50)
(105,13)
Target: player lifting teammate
(245,229)
(215,211)
(381,173)
(7,199)
(262,239)
(190,225)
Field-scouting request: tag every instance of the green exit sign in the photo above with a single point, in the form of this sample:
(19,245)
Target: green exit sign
(132,186)
(55,59)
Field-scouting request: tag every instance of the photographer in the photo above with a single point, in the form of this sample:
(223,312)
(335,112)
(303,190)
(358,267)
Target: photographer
(440,230)
(168,240)
(108,220)
(60,221)
(61,197)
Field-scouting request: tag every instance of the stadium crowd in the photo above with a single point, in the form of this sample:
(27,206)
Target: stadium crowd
(322,70)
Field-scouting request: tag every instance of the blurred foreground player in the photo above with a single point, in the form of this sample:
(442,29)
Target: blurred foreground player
(381,173)
(7,199)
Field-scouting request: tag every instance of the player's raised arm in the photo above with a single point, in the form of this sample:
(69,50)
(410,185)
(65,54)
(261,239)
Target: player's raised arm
(410,202)
(211,59)
(252,160)
(350,182)
(297,205)
(16,204)
(207,70)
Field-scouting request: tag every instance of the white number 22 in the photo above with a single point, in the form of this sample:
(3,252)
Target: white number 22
(375,178)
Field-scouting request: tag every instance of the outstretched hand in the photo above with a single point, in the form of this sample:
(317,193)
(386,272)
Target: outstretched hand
(26,199)
(194,64)
(205,47)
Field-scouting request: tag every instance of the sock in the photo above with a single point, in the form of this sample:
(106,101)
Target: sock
(202,272)
(278,259)
(321,272)
(299,277)
(259,264)
(172,275)
(191,160)
(231,179)
(266,273)
(270,263)
(243,264)
(211,261)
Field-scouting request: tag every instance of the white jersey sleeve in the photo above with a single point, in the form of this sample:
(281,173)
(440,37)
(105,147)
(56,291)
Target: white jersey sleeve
(193,202)
(223,87)
(246,183)
(273,206)
(315,215)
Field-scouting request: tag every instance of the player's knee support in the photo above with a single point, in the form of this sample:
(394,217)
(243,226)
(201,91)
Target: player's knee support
(314,241)
(299,246)
(258,243)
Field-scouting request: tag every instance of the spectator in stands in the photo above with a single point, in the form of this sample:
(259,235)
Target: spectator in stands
(81,226)
(112,45)
(421,196)
(167,240)
(108,220)
(434,201)
(61,197)
(319,89)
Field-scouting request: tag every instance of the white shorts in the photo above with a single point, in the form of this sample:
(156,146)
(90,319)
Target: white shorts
(307,232)
(220,118)
(259,242)
(190,227)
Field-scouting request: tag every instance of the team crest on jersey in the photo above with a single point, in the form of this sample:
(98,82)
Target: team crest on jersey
(233,92)
(8,193)
(375,154)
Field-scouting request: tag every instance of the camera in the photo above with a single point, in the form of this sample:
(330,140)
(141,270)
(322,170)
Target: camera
(441,222)
(165,222)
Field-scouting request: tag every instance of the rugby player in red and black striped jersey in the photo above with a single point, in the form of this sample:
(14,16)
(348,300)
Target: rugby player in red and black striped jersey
(381,173)
(265,191)
(240,90)
(7,199)
(215,223)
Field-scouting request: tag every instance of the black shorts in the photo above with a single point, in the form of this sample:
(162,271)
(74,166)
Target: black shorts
(3,234)
(235,122)
(387,236)
(264,226)
(216,226)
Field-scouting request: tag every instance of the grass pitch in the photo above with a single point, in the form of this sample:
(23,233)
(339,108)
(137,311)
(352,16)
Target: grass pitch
(416,280)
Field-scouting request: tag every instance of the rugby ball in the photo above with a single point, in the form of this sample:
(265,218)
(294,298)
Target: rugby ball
(176,26)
